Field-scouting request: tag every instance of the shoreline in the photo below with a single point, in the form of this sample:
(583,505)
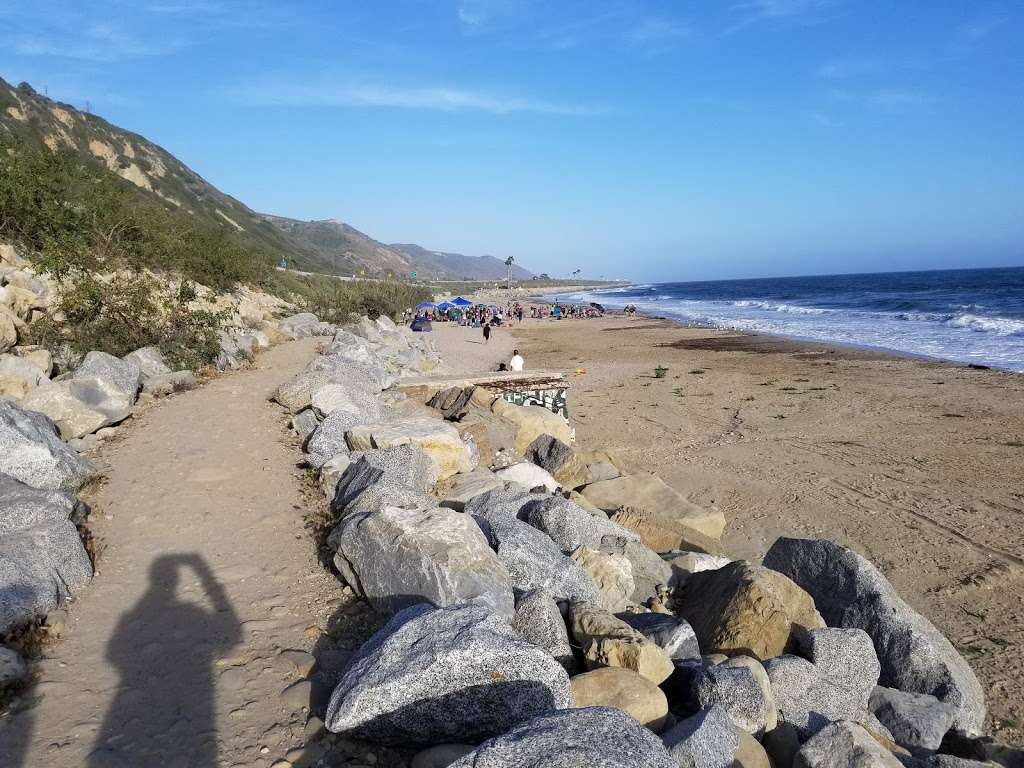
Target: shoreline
(912,461)
(544,299)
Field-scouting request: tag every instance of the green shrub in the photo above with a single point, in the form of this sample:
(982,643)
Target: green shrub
(332,300)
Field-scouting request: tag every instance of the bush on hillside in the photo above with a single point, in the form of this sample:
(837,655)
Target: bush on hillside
(333,300)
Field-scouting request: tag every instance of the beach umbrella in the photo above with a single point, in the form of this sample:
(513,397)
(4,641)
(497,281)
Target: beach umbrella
(458,301)
(425,305)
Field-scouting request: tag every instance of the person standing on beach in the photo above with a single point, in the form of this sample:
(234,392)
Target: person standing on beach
(517,362)
(487,332)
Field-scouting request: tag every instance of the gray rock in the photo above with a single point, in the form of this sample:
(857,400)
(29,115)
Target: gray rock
(123,375)
(381,472)
(501,504)
(844,744)
(805,699)
(331,472)
(539,621)
(304,423)
(649,570)
(329,437)
(534,561)
(708,739)
(169,383)
(31,451)
(367,329)
(739,693)
(396,558)
(846,658)
(669,632)
(12,667)
(850,592)
(434,676)
(81,404)
(559,460)
(467,485)
(23,506)
(915,720)
(40,568)
(150,361)
(299,326)
(593,737)
(571,527)
(528,476)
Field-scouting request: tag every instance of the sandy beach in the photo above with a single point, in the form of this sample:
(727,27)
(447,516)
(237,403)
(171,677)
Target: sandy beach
(917,464)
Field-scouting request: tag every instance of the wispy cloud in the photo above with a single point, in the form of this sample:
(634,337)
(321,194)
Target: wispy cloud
(98,43)
(975,32)
(840,69)
(779,11)
(893,101)
(824,120)
(292,92)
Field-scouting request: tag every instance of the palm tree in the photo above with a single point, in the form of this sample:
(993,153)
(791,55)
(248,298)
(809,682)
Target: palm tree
(508,263)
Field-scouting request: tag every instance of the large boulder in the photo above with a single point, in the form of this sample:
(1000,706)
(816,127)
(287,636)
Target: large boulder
(846,658)
(570,526)
(622,689)
(396,558)
(533,560)
(530,422)
(844,744)
(440,440)
(81,405)
(607,641)
(528,476)
(559,460)
(612,574)
(42,560)
(669,632)
(595,737)
(300,325)
(31,451)
(707,739)
(916,721)
(744,608)
(435,676)
(19,375)
(124,376)
(464,486)
(914,656)
(380,472)
(538,620)
(164,384)
(806,700)
(150,361)
(648,492)
(665,534)
(738,690)
(328,438)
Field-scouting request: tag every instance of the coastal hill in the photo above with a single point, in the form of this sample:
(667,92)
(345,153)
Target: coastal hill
(329,246)
(457,266)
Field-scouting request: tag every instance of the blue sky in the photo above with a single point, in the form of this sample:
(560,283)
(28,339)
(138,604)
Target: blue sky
(637,138)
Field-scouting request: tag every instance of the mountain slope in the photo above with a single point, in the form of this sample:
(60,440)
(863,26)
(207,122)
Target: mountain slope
(338,243)
(30,117)
(456,266)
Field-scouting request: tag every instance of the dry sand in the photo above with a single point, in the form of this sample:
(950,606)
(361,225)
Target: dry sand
(918,465)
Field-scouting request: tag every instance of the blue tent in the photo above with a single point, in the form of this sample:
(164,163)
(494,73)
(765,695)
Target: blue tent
(425,305)
(444,306)
(458,301)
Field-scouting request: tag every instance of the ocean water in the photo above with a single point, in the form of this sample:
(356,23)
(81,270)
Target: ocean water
(968,316)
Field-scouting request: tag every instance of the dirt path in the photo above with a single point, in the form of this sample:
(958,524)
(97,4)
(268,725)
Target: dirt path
(173,656)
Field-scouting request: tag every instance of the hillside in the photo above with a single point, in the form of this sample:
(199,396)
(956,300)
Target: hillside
(343,247)
(456,266)
(29,117)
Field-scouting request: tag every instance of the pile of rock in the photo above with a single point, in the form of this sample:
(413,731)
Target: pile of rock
(546,607)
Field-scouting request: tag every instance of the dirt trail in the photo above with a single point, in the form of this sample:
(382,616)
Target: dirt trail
(172,656)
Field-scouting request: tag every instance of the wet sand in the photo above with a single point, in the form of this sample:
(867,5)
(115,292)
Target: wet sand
(917,464)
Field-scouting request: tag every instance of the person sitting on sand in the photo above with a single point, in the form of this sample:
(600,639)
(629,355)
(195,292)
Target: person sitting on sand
(517,362)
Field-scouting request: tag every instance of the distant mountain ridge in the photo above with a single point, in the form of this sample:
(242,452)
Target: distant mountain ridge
(456,266)
(329,246)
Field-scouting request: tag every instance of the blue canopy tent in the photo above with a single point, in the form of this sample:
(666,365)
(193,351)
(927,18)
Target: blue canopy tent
(444,306)
(458,301)
(425,305)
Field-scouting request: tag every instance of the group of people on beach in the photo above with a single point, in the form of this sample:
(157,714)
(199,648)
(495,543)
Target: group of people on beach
(559,311)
